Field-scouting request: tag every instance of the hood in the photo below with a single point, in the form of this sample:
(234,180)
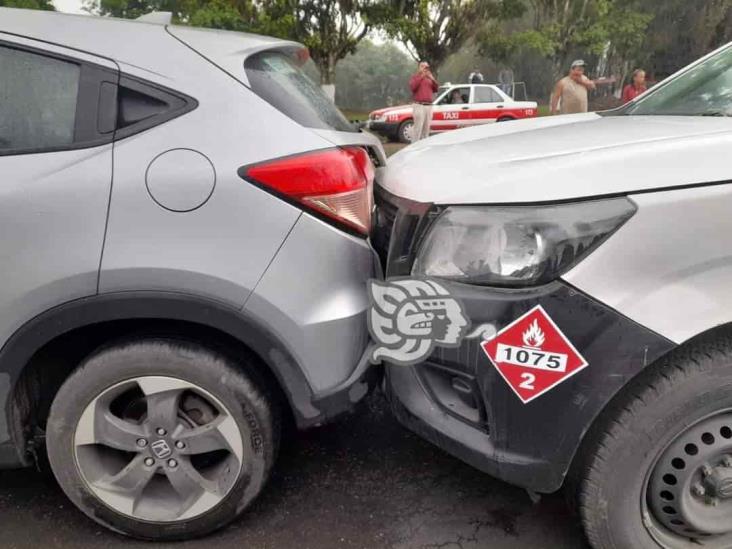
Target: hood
(399,109)
(561,158)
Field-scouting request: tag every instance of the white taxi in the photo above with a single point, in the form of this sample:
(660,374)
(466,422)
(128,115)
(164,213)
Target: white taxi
(455,106)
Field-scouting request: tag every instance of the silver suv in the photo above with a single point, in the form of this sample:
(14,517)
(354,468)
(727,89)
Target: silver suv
(184,256)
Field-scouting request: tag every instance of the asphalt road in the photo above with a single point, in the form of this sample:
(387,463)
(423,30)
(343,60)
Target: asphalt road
(361,482)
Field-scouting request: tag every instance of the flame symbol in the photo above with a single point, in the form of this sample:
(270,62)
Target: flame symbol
(534,337)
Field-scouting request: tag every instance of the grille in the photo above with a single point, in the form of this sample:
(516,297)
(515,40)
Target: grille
(383,223)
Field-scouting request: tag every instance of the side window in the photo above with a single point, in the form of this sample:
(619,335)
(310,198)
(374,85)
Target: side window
(142,105)
(484,94)
(456,96)
(50,103)
(38,98)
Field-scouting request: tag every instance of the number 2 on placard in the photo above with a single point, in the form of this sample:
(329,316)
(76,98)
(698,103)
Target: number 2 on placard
(528,381)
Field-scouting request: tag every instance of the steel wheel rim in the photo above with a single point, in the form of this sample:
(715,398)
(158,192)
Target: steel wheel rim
(409,131)
(173,459)
(671,504)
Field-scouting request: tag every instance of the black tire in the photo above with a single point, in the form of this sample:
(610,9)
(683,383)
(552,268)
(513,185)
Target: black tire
(253,412)
(505,119)
(402,132)
(659,409)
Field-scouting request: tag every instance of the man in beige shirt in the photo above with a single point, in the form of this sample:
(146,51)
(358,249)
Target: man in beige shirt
(570,93)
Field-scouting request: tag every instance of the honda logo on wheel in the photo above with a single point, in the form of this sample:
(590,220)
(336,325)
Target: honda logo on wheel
(161,449)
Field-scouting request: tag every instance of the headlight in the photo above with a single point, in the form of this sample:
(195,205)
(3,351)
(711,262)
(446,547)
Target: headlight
(516,246)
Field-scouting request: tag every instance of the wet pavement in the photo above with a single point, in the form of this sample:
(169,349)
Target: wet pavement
(363,481)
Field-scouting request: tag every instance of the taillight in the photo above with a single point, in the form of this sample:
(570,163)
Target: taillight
(335,183)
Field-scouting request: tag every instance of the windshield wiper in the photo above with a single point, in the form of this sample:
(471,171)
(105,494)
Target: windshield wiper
(715,113)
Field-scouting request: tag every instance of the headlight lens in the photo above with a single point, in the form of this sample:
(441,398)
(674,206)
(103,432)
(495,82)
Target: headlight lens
(516,246)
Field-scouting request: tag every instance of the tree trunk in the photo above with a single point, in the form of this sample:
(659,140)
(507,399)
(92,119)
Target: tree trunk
(327,75)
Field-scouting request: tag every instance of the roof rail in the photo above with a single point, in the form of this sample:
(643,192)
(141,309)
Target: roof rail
(157,17)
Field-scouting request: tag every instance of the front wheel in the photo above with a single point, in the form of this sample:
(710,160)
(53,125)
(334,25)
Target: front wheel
(659,474)
(405,133)
(161,439)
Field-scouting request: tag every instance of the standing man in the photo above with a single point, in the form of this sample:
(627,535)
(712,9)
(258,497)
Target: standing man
(476,77)
(570,93)
(505,81)
(423,85)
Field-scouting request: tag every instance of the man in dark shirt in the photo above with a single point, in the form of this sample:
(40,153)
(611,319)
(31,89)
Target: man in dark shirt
(423,85)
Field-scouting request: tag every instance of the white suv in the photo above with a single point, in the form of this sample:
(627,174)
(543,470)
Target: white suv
(594,251)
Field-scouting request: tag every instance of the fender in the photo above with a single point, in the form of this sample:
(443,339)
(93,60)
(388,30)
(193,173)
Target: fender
(150,305)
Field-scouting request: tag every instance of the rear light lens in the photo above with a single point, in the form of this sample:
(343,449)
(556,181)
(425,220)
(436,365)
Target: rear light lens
(335,183)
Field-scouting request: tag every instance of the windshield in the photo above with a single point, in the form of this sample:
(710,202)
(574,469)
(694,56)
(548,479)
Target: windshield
(278,80)
(703,90)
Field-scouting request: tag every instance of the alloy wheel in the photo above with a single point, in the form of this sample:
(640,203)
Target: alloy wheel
(159,449)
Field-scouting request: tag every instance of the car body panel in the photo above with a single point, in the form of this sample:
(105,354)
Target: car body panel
(319,313)
(668,252)
(449,116)
(53,211)
(561,158)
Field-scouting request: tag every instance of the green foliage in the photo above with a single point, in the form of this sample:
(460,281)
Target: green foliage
(561,29)
(374,76)
(536,38)
(28,4)
(434,29)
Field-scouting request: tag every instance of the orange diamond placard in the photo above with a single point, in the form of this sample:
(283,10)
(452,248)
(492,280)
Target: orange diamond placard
(533,355)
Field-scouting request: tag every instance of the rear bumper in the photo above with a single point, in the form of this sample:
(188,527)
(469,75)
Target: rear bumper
(350,392)
(313,296)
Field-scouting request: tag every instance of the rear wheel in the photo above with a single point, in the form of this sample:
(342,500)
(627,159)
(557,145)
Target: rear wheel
(161,439)
(660,472)
(405,133)
(505,119)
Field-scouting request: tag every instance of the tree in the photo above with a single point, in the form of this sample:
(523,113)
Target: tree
(432,30)
(560,29)
(28,4)
(374,76)
(683,30)
(129,9)
(330,29)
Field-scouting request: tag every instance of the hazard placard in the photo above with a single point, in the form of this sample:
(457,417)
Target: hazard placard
(533,355)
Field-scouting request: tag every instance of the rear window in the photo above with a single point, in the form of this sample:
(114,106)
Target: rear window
(277,79)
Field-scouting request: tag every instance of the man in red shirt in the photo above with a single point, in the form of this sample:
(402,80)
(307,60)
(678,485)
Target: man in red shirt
(423,85)
(636,87)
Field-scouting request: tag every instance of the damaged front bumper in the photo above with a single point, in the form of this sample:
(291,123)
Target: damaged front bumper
(458,399)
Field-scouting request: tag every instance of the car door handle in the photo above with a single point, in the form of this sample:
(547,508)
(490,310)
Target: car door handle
(499,106)
(465,108)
